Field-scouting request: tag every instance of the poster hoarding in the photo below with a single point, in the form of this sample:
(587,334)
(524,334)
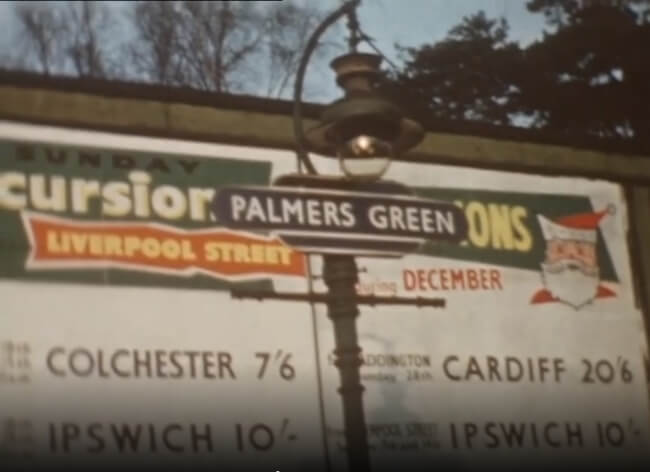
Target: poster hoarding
(120,340)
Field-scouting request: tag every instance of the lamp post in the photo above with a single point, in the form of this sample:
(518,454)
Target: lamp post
(365,132)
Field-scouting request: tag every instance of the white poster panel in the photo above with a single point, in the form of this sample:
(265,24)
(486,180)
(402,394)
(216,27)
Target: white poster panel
(536,358)
(150,376)
(120,344)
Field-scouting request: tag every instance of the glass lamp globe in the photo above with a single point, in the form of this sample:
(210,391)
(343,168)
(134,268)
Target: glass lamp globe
(365,157)
(364,130)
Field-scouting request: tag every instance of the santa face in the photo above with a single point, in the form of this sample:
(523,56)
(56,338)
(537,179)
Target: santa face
(581,251)
(570,271)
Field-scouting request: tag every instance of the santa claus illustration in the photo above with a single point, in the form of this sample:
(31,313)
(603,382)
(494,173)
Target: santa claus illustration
(570,272)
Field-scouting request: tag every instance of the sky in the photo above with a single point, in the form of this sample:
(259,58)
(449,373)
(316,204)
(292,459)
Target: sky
(416,22)
(407,22)
(413,22)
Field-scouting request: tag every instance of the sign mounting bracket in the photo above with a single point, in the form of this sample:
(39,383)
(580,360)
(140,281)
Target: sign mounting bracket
(371,300)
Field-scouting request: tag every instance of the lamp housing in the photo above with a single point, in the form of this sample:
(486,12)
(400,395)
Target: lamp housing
(362,129)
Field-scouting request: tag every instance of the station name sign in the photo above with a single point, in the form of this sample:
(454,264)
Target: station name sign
(335,221)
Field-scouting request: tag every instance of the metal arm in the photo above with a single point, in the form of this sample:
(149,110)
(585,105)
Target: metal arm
(301,147)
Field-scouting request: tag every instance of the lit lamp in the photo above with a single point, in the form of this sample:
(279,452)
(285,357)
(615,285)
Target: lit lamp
(363,130)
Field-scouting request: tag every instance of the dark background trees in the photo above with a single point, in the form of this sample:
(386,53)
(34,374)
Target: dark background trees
(589,75)
(468,75)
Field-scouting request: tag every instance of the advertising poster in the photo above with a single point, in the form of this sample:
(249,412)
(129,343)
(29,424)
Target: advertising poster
(536,358)
(120,342)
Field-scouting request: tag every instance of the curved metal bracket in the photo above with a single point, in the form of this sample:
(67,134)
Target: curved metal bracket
(301,147)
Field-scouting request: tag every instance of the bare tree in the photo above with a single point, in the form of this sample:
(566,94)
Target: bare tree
(251,47)
(42,30)
(62,37)
(288,29)
(215,40)
(89,26)
(155,51)
(221,46)
(201,44)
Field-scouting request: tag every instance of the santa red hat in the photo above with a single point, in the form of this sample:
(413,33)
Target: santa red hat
(576,227)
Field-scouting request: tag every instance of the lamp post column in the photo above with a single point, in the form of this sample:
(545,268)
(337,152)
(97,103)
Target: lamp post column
(340,276)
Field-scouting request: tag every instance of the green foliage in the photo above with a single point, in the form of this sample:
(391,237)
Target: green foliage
(587,76)
(468,75)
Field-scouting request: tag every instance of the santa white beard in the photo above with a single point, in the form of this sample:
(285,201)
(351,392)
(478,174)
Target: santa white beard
(571,282)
